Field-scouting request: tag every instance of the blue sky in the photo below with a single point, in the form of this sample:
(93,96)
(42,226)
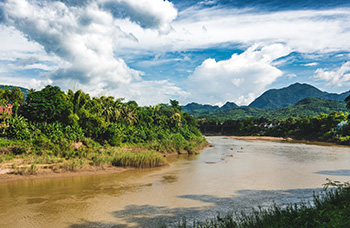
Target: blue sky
(207,51)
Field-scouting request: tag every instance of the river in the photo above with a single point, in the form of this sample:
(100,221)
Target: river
(232,176)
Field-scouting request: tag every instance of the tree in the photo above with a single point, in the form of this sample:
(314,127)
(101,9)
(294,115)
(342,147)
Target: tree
(12,95)
(48,105)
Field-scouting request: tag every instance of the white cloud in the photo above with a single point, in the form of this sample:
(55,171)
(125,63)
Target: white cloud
(291,75)
(14,45)
(38,84)
(305,31)
(82,37)
(311,64)
(241,78)
(337,77)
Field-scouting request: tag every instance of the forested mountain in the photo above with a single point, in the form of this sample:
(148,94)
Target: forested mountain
(310,106)
(280,98)
(199,108)
(294,100)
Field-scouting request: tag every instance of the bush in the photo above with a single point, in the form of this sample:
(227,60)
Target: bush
(18,128)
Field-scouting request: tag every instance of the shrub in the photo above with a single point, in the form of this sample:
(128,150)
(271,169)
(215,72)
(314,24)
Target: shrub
(18,128)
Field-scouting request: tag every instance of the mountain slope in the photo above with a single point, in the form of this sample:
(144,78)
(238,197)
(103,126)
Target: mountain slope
(279,98)
(228,106)
(199,108)
(310,106)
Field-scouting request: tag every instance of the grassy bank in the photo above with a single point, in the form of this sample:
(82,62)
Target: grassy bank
(330,209)
(26,157)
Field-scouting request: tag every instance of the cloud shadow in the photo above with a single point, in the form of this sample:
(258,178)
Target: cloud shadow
(243,200)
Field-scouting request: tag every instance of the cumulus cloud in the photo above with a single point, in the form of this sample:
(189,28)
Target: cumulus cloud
(38,84)
(240,78)
(335,78)
(82,37)
(15,46)
(155,14)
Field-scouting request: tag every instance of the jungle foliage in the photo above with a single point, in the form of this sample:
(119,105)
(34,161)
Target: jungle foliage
(333,127)
(50,121)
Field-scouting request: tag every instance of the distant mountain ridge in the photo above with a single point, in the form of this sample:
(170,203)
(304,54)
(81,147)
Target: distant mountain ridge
(280,98)
(310,106)
(294,100)
(199,108)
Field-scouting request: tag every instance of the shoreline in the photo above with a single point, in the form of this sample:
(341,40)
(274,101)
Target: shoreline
(6,175)
(288,139)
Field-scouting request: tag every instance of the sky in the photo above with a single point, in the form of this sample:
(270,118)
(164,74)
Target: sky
(151,51)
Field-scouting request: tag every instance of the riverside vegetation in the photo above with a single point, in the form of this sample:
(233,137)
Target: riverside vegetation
(333,127)
(68,131)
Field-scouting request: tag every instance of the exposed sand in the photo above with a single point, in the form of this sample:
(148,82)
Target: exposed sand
(263,138)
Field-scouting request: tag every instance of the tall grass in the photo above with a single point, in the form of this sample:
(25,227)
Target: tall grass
(145,159)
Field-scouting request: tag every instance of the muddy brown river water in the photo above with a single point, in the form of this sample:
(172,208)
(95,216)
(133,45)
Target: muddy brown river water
(234,175)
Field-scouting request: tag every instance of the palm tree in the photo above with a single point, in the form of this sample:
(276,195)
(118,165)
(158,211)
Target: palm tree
(128,115)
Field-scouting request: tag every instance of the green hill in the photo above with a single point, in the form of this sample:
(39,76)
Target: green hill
(229,106)
(280,98)
(195,108)
(310,106)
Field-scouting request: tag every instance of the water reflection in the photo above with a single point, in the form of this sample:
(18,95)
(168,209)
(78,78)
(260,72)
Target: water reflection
(154,216)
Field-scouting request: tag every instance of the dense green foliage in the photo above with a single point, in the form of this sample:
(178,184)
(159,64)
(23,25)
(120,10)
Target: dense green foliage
(331,127)
(330,209)
(51,121)
(48,105)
